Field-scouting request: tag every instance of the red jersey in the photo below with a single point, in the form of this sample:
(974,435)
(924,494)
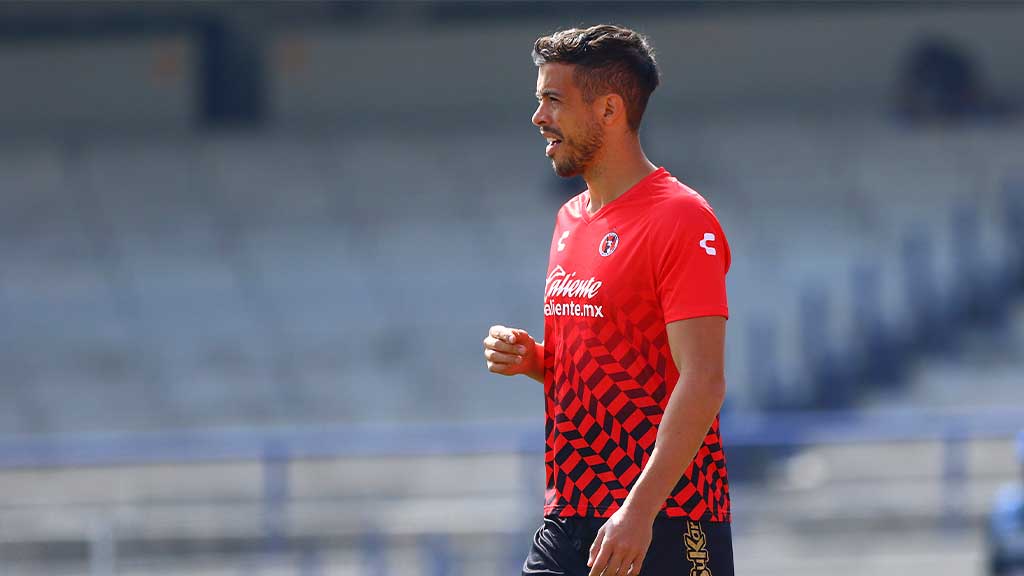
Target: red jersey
(652,256)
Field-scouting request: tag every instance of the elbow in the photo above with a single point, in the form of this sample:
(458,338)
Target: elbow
(711,389)
(705,386)
(716,389)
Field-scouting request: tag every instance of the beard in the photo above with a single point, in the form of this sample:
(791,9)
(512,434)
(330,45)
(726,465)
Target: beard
(579,152)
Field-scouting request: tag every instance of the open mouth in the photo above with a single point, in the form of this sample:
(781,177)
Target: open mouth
(553,143)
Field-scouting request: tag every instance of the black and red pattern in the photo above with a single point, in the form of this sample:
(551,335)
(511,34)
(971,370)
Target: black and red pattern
(601,430)
(608,368)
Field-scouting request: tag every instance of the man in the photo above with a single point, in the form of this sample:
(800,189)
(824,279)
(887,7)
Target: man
(1006,525)
(635,310)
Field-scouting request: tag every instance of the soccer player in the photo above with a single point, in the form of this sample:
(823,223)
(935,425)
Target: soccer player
(634,331)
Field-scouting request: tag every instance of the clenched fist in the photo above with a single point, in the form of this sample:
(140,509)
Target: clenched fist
(513,351)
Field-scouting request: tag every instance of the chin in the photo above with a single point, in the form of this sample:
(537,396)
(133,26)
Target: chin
(566,171)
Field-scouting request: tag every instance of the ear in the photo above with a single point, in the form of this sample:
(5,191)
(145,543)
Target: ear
(613,109)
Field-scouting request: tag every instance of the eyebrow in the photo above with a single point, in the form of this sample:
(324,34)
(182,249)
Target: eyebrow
(548,92)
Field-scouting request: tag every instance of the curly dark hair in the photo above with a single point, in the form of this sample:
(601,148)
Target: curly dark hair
(608,59)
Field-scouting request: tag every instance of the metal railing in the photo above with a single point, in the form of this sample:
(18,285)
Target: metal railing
(276,449)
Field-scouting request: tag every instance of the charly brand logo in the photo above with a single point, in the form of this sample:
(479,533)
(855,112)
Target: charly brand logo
(708,237)
(562,284)
(696,549)
(561,240)
(608,244)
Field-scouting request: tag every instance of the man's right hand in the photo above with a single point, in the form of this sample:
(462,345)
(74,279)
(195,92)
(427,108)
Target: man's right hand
(513,351)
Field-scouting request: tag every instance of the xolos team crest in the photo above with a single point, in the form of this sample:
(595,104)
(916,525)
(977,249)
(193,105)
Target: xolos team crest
(608,244)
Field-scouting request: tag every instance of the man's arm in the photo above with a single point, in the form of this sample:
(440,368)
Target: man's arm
(512,351)
(698,349)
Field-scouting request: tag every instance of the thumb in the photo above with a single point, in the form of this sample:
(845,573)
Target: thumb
(520,337)
(502,333)
(595,548)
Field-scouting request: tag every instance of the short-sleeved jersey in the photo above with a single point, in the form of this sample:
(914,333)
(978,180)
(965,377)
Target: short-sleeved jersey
(654,255)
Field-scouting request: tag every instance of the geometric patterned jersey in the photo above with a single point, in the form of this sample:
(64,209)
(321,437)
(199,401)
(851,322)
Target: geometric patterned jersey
(654,255)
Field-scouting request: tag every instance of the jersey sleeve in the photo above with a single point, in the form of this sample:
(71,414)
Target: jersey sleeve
(691,258)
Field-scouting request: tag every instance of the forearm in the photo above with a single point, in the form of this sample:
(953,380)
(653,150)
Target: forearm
(690,412)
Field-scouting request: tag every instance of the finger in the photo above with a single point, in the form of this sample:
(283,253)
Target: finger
(502,333)
(595,548)
(602,563)
(497,331)
(505,369)
(638,565)
(616,567)
(494,344)
(521,336)
(631,567)
(502,358)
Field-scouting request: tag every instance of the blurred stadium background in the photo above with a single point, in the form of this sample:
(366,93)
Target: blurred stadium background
(248,253)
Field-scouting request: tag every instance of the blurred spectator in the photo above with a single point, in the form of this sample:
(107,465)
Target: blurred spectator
(942,82)
(1006,527)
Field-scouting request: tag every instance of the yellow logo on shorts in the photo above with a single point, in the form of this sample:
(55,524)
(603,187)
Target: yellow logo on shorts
(696,549)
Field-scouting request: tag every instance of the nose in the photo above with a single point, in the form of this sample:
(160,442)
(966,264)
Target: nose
(540,116)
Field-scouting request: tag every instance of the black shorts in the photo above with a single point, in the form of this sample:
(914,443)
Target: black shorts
(680,547)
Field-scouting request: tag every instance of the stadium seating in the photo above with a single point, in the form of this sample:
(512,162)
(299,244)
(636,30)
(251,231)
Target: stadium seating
(220,280)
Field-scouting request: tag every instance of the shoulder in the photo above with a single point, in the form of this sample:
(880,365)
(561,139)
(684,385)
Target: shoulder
(573,207)
(676,203)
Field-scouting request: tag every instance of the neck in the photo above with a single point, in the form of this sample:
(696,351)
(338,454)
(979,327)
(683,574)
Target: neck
(618,167)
